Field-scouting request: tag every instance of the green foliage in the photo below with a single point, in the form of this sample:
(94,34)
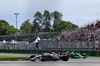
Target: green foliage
(71,25)
(56,16)
(42,23)
(35,27)
(64,26)
(12,30)
(37,23)
(26,27)
(6,29)
(46,21)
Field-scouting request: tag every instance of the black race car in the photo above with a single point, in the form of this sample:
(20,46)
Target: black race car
(49,57)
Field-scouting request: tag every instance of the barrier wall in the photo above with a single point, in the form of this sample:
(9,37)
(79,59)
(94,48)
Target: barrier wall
(54,44)
(88,52)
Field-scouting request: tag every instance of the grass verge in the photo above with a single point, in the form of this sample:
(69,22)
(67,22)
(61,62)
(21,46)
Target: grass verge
(10,58)
(93,56)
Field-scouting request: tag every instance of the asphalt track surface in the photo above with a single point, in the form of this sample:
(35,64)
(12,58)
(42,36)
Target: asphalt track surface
(90,61)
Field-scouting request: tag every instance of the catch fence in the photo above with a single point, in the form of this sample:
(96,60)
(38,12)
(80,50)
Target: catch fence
(52,40)
(25,41)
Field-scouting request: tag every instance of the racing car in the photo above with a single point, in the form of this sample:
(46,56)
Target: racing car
(49,57)
(74,54)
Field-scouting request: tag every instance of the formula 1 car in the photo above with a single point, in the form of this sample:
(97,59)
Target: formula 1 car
(74,54)
(48,57)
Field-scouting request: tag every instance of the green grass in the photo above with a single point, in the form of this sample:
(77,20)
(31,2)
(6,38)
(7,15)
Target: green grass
(93,56)
(10,58)
(6,57)
(16,53)
(23,53)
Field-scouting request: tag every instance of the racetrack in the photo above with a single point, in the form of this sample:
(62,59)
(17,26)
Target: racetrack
(90,61)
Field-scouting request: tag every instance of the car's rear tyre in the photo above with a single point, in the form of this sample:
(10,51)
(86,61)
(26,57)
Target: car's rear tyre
(54,59)
(44,58)
(65,58)
(32,60)
(84,55)
(72,55)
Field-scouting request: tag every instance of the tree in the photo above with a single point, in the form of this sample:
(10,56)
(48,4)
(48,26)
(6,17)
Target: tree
(37,23)
(26,27)
(41,23)
(61,26)
(6,29)
(46,21)
(56,16)
(35,27)
(64,25)
(12,30)
(71,25)
(38,17)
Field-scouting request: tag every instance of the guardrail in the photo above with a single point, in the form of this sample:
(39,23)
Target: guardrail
(88,52)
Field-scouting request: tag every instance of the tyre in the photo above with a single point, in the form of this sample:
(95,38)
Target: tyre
(72,55)
(43,58)
(65,58)
(54,59)
(32,60)
(84,55)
